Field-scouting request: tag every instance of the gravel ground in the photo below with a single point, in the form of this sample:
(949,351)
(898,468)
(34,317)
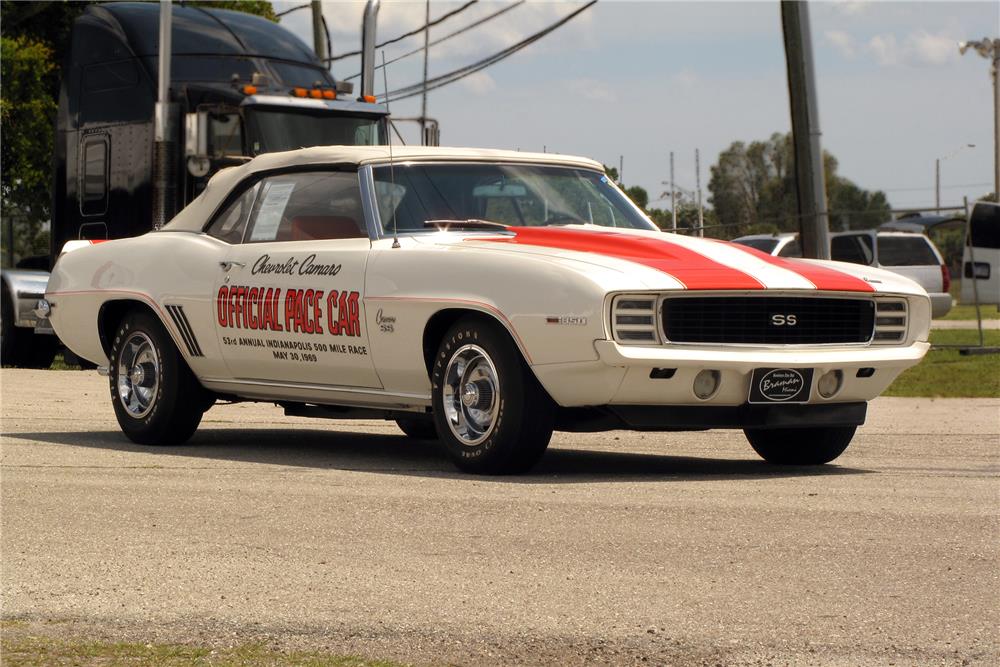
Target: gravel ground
(621,548)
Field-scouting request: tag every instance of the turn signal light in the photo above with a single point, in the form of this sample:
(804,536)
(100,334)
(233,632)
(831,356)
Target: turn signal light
(300,92)
(329,95)
(369,98)
(249,90)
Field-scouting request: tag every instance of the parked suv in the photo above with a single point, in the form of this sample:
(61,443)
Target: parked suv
(912,255)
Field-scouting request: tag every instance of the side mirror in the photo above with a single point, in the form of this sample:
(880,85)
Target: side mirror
(196,143)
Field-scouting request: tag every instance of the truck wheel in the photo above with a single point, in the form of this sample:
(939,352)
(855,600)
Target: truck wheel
(491,414)
(800,446)
(418,429)
(156,397)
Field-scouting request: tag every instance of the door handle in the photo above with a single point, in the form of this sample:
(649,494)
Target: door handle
(226,266)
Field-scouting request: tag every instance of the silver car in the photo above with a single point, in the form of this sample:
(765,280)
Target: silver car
(912,255)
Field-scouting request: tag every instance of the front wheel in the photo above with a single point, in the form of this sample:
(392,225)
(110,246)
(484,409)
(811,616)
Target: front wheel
(800,446)
(491,414)
(157,399)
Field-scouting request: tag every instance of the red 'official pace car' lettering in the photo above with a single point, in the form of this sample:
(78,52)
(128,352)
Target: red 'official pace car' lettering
(346,322)
(257,309)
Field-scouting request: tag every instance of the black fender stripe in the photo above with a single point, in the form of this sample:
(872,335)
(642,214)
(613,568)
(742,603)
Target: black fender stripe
(184,327)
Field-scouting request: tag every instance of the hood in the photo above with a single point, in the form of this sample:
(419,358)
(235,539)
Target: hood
(681,262)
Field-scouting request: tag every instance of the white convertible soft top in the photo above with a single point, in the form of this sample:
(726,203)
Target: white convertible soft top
(196,214)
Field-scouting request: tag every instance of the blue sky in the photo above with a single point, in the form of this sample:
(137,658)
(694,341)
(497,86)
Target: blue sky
(641,79)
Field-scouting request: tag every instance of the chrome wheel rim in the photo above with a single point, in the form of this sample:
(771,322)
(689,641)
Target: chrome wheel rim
(138,375)
(471,395)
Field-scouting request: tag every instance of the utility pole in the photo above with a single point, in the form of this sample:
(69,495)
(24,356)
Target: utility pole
(990,49)
(319,34)
(937,183)
(697,180)
(673,196)
(937,171)
(423,96)
(621,170)
(164,139)
(810,185)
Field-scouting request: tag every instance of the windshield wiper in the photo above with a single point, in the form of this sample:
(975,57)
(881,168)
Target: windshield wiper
(471,223)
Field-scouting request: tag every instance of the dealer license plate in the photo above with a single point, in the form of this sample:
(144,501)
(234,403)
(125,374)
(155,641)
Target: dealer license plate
(780,385)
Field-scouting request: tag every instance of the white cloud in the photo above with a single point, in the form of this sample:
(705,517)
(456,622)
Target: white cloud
(842,41)
(591,89)
(851,7)
(885,49)
(918,48)
(685,78)
(480,83)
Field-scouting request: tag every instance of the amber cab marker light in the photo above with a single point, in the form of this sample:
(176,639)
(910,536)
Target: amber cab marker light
(249,90)
(299,92)
(370,99)
(329,95)
(316,94)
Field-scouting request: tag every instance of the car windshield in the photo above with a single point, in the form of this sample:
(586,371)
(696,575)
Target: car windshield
(764,245)
(273,130)
(509,194)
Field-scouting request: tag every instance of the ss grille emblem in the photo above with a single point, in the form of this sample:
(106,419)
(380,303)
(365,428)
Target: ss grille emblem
(782,320)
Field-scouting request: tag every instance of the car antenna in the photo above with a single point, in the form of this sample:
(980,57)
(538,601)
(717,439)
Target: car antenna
(392,171)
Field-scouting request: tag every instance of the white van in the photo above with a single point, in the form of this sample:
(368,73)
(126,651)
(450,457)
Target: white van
(981,257)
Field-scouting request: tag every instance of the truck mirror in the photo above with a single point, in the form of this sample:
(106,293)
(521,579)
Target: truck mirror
(196,134)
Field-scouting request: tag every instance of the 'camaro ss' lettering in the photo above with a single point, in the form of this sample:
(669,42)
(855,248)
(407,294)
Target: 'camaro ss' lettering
(294,310)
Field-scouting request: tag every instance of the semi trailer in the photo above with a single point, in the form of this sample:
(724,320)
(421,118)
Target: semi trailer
(154,99)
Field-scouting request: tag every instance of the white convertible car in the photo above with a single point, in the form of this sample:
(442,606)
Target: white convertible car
(484,298)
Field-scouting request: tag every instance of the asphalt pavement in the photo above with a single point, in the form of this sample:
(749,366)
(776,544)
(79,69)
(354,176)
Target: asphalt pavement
(621,548)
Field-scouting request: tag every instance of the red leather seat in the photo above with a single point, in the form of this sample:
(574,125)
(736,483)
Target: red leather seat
(315,227)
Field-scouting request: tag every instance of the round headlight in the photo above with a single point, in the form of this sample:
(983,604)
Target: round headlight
(706,383)
(829,384)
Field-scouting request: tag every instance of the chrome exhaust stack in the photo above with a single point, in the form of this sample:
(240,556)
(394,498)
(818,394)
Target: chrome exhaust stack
(368,25)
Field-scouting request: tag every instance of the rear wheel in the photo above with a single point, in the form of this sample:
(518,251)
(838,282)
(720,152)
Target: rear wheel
(156,398)
(491,414)
(800,446)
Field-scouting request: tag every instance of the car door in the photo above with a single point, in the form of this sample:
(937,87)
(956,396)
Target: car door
(289,295)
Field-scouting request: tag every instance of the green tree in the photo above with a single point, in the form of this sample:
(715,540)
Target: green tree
(638,195)
(752,190)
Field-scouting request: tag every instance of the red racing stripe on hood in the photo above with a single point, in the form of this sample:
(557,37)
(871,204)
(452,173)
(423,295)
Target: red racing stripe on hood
(693,270)
(824,278)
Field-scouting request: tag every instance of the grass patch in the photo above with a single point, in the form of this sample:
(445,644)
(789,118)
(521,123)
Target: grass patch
(32,650)
(949,374)
(959,312)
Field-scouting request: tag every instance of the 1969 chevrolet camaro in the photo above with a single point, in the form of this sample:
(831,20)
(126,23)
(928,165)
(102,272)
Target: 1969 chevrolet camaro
(484,298)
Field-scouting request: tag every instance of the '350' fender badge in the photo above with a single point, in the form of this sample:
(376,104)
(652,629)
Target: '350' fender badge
(573,320)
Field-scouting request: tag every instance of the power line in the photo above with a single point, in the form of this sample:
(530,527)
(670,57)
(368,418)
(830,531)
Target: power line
(416,31)
(462,72)
(293,9)
(458,32)
(943,187)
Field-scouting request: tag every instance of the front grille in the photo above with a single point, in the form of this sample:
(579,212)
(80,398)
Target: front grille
(768,320)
